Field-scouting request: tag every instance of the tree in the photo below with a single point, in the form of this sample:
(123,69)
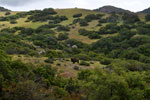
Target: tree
(147,17)
(62,36)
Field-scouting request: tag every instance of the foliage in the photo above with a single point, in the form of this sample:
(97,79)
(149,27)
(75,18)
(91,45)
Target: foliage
(147,17)
(63,28)
(77,15)
(62,36)
(120,52)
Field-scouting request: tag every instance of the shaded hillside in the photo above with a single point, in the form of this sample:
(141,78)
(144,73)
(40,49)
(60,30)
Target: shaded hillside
(111,9)
(4,9)
(145,11)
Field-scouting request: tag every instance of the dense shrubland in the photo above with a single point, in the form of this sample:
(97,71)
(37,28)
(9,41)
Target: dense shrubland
(124,55)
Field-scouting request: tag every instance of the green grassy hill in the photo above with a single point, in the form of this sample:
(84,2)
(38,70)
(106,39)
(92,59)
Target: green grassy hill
(73,34)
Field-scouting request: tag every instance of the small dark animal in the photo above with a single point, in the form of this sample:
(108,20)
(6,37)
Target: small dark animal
(74,60)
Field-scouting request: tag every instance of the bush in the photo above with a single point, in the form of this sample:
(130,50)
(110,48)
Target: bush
(76,20)
(144,49)
(27,31)
(7,13)
(72,42)
(83,32)
(39,43)
(109,29)
(63,28)
(130,54)
(76,68)
(94,36)
(143,31)
(84,63)
(77,15)
(62,36)
(91,17)
(83,23)
(13,21)
(130,18)
(105,61)
(147,17)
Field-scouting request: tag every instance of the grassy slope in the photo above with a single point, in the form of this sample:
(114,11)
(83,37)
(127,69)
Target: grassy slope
(66,68)
(73,34)
(70,12)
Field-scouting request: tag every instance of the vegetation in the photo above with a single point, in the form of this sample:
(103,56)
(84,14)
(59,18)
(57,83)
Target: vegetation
(113,51)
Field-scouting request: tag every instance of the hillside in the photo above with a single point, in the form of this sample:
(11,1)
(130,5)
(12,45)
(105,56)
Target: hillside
(74,54)
(4,9)
(147,11)
(112,9)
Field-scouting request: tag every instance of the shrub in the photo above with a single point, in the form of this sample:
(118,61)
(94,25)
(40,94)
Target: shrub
(27,31)
(83,23)
(91,17)
(130,54)
(143,31)
(83,32)
(72,42)
(147,17)
(13,21)
(63,28)
(94,36)
(77,15)
(7,13)
(58,64)
(39,43)
(76,20)
(109,29)
(130,18)
(49,11)
(62,36)
(105,61)
(76,68)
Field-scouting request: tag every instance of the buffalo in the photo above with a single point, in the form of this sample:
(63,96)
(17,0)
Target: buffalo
(74,60)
